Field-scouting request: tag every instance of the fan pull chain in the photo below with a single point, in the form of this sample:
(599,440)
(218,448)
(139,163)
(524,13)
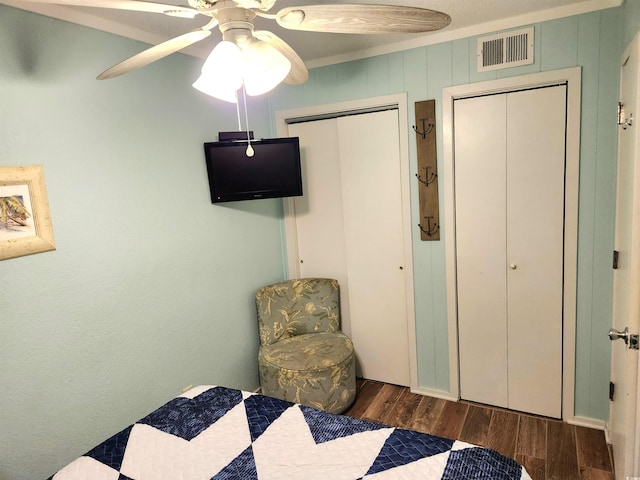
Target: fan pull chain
(238,111)
(250,152)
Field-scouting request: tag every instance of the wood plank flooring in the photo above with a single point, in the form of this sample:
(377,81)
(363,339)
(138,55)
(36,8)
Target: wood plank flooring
(549,449)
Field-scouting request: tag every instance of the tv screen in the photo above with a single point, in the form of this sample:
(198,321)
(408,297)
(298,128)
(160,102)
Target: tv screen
(273,171)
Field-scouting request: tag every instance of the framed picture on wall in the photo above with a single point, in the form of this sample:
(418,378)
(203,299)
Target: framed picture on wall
(25,222)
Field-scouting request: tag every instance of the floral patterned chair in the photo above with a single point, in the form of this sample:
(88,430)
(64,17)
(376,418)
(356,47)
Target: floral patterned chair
(303,356)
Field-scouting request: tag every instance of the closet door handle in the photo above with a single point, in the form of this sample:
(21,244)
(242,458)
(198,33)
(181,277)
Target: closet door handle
(615,334)
(513,266)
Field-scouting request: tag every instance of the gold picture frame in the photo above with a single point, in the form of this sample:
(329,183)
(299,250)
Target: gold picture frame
(25,221)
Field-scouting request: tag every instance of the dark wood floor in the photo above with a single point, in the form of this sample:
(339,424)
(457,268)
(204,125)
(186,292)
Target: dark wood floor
(549,449)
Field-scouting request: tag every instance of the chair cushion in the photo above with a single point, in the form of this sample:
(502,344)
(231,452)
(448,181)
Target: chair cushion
(311,352)
(298,307)
(314,369)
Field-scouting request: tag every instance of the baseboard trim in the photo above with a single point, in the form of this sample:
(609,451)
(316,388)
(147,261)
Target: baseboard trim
(435,393)
(587,422)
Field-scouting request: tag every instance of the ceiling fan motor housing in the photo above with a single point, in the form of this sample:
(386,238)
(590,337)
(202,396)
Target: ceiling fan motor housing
(235,23)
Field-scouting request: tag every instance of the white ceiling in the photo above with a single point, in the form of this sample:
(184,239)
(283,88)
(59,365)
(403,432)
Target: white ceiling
(469,17)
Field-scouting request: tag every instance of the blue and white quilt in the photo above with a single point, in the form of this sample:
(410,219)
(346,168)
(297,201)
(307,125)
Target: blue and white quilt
(225,434)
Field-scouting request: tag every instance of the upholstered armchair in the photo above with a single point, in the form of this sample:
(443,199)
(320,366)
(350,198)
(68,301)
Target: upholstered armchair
(303,355)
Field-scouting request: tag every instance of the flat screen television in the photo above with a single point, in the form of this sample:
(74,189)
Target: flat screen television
(272,172)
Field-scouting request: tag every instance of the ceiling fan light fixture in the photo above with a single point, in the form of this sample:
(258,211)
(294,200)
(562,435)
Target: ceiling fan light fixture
(222,72)
(226,57)
(264,67)
(209,85)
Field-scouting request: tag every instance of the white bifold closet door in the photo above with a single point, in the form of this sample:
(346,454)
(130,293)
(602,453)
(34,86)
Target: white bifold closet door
(349,227)
(509,205)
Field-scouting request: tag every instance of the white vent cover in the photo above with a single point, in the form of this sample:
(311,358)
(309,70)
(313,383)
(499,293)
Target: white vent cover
(505,50)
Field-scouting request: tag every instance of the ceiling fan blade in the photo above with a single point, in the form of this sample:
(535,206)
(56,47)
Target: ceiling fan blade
(352,18)
(171,10)
(298,73)
(155,53)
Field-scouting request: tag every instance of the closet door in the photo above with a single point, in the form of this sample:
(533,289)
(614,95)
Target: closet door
(370,172)
(480,170)
(536,122)
(509,182)
(319,215)
(349,227)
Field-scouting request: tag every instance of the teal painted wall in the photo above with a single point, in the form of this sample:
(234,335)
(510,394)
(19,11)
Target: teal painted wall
(591,41)
(151,286)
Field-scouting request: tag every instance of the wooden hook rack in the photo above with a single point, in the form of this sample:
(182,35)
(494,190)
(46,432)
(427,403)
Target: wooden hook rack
(427,169)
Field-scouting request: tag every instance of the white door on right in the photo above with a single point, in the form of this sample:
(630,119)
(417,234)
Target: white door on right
(509,166)
(624,424)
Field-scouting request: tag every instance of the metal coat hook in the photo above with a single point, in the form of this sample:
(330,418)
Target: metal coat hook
(426,128)
(624,120)
(431,229)
(428,178)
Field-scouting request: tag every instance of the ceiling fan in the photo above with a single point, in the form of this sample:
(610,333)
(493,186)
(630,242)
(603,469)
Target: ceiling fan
(259,59)
(235,20)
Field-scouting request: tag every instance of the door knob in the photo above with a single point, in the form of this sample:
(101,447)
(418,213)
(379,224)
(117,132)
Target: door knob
(513,266)
(632,340)
(615,334)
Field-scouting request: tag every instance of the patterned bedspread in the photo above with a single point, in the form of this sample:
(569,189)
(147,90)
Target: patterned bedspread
(226,434)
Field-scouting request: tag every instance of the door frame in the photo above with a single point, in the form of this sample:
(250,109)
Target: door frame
(317,112)
(572,77)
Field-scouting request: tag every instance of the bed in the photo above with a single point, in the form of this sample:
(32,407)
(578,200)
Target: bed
(220,433)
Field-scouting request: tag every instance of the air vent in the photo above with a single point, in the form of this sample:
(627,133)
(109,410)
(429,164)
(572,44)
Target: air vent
(505,50)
